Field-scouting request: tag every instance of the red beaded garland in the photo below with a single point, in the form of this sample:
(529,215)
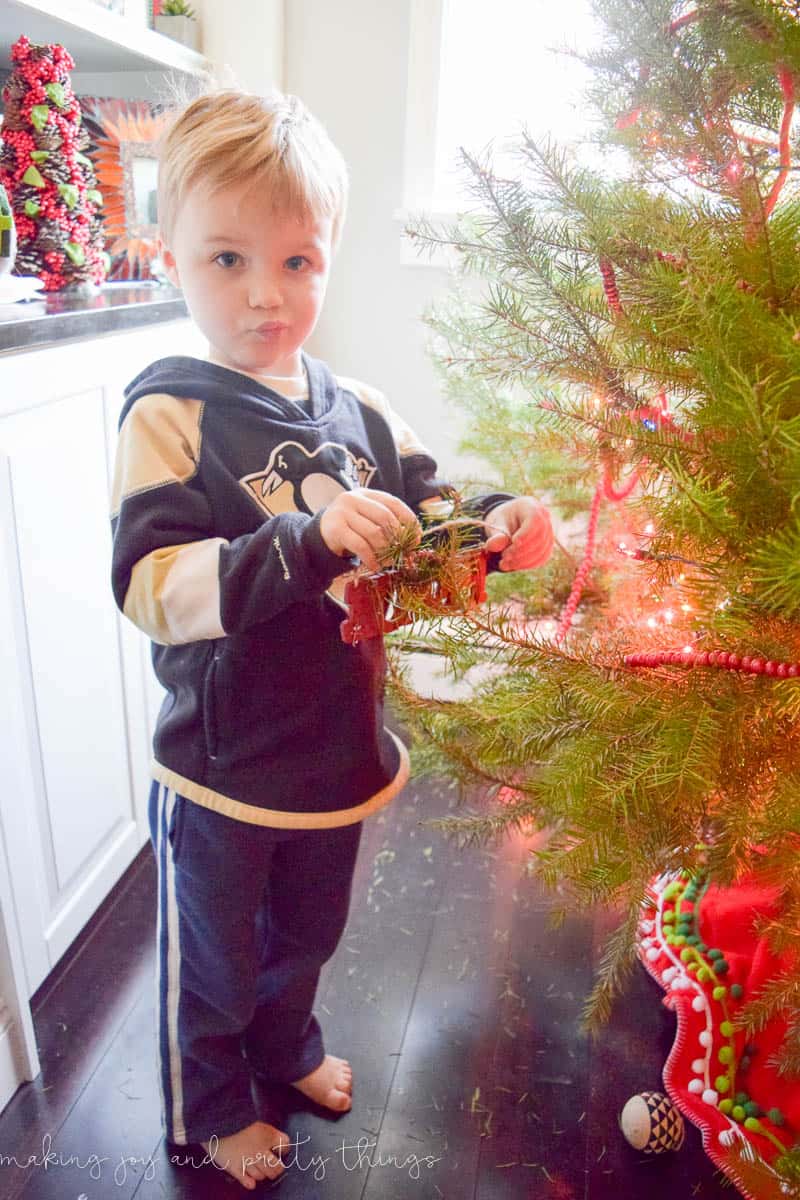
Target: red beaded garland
(713,658)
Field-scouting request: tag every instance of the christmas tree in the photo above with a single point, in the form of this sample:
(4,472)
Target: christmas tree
(51,182)
(632,352)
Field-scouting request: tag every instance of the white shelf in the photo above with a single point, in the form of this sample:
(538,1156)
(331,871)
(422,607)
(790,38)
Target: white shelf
(98,40)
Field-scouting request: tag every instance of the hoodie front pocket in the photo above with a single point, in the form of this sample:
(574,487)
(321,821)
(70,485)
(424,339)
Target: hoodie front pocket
(210,705)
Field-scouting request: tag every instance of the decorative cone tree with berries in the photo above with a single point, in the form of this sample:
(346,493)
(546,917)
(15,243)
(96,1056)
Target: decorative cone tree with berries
(631,349)
(51,182)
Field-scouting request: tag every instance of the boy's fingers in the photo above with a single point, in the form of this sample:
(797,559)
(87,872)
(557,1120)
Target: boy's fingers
(497,542)
(366,528)
(379,514)
(361,548)
(403,513)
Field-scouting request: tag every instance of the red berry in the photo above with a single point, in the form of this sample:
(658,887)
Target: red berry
(734,662)
(770,668)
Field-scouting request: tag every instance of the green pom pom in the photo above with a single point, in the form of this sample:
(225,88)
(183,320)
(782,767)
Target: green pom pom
(722,1083)
(753,1124)
(76,253)
(704,974)
(715,954)
(719,992)
(69,194)
(725,1055)
(33,178)
(720,967)
(668,918)
(726,1106)
(32,209)
(56,93)
(691,968)
(686,954)
(738,1113)
(737,991)
(752,1109)
(726,1029)
(741,1098)
(693,940)
(776,1116)
(679,940)
(671,890)
(702,948)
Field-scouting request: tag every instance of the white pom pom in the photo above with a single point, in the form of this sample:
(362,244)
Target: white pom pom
(695,1085)
(699,1003)
(704,1038)
(727,1137)
(699,1066)
(710,1096)
(647,941)
(682,983)
(669,974)
(647,926)
(653,953)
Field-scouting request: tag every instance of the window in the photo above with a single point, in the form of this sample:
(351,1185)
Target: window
(478,73)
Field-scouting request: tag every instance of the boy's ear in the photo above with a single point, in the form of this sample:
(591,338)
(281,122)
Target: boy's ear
(170,266)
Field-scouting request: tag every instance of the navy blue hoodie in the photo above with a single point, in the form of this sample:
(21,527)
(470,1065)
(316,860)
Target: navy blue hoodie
(219,487)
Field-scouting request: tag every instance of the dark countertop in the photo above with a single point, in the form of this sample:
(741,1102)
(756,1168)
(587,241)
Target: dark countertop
(59,316)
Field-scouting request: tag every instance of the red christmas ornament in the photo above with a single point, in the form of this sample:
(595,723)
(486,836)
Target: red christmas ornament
(372,600)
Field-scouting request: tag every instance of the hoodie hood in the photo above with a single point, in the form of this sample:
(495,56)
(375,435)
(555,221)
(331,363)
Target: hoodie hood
(198,379)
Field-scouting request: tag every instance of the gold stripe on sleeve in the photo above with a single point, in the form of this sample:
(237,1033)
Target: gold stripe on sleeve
(159,443)
(174,593)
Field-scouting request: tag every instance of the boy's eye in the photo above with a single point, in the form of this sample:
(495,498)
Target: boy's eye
(296,261)
(227,258)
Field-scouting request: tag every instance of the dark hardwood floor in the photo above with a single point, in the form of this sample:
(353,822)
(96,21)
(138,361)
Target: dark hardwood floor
(455,1002)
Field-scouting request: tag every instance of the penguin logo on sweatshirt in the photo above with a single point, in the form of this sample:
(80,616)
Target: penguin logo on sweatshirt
(299,480)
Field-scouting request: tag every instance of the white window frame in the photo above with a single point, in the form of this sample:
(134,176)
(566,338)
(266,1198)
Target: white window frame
(426,26)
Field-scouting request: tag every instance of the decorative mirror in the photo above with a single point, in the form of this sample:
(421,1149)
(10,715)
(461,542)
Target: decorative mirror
(124,137)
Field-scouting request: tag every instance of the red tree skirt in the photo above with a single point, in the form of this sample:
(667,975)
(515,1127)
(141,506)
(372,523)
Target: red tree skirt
(699,943)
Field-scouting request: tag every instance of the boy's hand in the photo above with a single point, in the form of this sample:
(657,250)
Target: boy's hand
(524,533)
(363,522)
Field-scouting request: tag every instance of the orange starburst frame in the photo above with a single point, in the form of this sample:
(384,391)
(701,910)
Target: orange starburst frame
(124,137)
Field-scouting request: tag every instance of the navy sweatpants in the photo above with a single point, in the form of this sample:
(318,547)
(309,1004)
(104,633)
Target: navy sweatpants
(247,915)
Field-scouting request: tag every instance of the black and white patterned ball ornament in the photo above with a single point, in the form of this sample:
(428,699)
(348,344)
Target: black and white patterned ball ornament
(651,1123)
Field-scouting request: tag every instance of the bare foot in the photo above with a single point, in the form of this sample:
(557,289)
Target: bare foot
(331,1084)
(249,1155)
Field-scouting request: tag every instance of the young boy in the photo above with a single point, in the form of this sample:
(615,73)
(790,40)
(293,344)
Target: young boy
(246,485)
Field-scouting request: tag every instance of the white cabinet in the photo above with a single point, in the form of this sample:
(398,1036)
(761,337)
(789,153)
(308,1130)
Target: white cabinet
(78,694)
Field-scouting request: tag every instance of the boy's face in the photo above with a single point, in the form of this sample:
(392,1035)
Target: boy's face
(254,281)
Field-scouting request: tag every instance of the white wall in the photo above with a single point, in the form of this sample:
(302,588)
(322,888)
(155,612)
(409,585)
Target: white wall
(248,35)
(348,61)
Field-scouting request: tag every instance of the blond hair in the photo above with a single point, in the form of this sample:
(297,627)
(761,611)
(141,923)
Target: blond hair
(228,137)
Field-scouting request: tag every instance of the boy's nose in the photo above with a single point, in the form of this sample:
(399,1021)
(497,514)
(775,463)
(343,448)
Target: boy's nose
(264,293)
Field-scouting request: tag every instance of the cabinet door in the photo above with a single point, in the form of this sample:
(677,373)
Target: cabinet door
(69,664)
(78,697)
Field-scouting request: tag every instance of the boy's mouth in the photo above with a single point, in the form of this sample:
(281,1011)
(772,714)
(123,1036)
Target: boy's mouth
(270,327)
